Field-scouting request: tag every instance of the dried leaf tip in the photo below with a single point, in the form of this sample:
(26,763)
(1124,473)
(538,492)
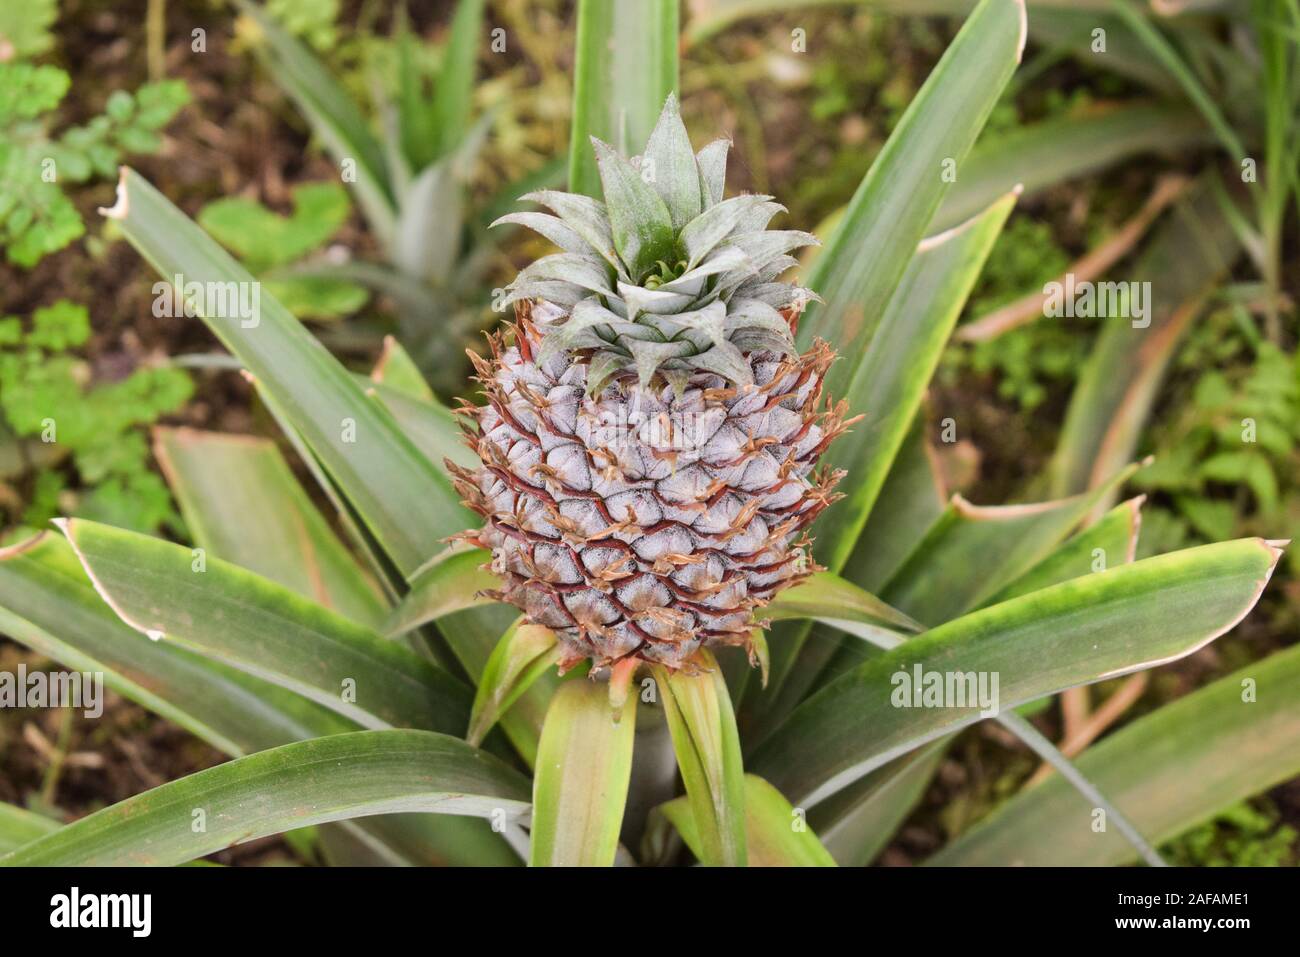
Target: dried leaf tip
(121,207)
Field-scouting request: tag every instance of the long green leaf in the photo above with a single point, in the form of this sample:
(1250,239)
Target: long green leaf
(429,424)
(1234,738)
(827,597)
(332,115)
(523,655)
(453,95)
(972,551)
(584,764)
(1077,632)
(48,604)
(408,504)
(19,827)
(858,822)
(626,66)
(228,613)
(242,504)
(910,502)
(1052,23)
(1053,151)
(1165,54)
(1044,154)
(397,372)
(1112,540)
(703,728)
(896,367)
(309,782)
(778,835)
(887,389)
(448,584)
(711,16)
(836,603)
(1190,253)
(895,202)
(474,635)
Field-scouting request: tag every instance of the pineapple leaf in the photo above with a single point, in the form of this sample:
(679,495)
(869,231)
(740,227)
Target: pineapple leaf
(857,823)
(724,260)
(1039,155)
(639,221)
(896,365)
(892,207)
(562,294)
(660,302)
(524,653)
(589,273)
(332,115)
(601,369)
(228,613)
(449,583)
(404,500)
(48,604)
(1190,251)
(711,161)
(584,764)
(670,165)
(63,618)
(430,426)
(625,65)
(705,231)
(584,328)
(910,502)
(427,236)
(1232,748)
(827,597)
(725,359)
(241,503)
(334,778)
(703,728)
(649,356)
(395,370)
(1113,539)
(972,551)
(584,215)
(453,94)
(1080,631)
(552,228)
(771,829)
(752,314)
(19,827)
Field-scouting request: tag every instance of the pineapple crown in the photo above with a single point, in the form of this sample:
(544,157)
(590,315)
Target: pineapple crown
(665,277)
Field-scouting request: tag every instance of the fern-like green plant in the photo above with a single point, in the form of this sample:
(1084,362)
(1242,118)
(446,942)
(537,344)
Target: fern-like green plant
(38,158)
(271,246)
(80,446)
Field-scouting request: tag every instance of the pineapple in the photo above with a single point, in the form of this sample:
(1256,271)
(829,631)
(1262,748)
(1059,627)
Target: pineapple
(649,438)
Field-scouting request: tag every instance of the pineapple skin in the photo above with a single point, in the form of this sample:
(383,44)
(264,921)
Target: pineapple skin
(637,523)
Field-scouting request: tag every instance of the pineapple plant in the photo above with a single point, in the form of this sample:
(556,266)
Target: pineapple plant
(376,681)
(414,188)
(648,442)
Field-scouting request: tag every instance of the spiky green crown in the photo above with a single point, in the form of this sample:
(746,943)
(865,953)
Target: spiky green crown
(665,276)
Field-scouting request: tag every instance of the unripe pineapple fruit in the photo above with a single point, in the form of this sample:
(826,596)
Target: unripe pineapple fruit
(650,432)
